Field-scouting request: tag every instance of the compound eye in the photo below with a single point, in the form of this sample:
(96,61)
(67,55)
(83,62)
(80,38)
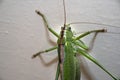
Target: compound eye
(69,28)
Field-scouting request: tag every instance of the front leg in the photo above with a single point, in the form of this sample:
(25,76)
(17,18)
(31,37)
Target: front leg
(48,50)
(46,23)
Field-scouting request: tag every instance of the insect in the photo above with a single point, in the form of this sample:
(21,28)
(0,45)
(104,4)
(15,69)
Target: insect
(68,47)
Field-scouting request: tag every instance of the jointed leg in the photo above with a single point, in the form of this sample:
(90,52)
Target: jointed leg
(85,54)
(57,72)
(46,23)
(48,50)
(89,32)
(91,44)
(81,43)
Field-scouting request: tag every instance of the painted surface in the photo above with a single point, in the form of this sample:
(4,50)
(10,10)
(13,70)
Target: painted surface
(22,34)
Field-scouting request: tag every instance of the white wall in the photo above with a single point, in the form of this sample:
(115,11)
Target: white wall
(22,34)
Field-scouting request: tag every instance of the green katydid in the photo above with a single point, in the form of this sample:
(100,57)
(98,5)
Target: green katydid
(68,47)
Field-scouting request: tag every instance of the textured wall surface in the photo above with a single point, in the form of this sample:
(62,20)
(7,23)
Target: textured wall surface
(22,34)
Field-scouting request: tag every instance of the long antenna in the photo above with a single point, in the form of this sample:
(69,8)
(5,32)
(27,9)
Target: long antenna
(64,13)
(95,23)
(61,44)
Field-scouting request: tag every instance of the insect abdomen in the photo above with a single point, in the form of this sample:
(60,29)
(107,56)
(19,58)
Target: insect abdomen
(69,67)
